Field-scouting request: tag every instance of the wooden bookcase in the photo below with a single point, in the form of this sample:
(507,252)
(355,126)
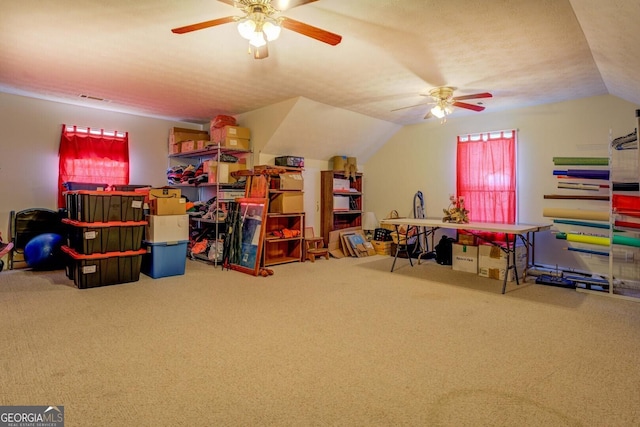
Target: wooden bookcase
(340,208)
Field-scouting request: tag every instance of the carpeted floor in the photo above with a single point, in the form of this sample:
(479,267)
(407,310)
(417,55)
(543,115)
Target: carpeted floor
(339,342)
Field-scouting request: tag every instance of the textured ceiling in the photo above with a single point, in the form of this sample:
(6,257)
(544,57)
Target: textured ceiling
(525,52)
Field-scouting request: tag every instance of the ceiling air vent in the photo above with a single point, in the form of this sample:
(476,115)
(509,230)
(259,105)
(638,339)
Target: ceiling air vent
(93,98)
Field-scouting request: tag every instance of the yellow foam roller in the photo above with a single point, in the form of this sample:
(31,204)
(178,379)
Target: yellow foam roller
(583,238)
(576,214)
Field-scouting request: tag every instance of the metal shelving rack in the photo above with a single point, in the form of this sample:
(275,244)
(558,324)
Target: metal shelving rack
(212,152)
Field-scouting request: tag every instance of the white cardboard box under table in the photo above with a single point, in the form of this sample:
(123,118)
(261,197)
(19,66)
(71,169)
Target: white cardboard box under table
(464,258)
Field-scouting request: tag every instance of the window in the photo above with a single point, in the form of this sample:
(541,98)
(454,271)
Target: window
(92,156)
(486,176)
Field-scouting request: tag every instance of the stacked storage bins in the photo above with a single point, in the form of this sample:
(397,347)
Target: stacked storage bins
(104,237)
(166,240)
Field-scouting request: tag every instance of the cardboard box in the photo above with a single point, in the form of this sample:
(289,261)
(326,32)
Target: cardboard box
(167,228)
(287,203)
(166,201)
(221,172)
(465,258)
(164,193)
(497,253)
(340,203)
(496,271)
(177,135)
(201,144)
(492,262)
(186,146)
(290,181)
(235,143)
(231,131)
(168,206)
(467,239)
(232,137)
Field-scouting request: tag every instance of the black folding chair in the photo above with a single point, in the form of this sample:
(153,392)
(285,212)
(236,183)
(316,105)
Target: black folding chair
(25,225)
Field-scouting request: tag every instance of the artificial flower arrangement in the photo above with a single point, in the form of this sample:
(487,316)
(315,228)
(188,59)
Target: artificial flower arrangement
(456,211)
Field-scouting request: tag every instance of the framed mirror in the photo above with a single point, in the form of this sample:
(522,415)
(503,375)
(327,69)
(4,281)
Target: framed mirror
(248,235)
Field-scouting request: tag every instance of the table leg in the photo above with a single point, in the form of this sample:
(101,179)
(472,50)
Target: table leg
(395,257)
(506,271)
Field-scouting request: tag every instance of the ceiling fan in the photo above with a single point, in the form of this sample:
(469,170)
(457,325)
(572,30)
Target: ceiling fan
(443,102)
(260,24)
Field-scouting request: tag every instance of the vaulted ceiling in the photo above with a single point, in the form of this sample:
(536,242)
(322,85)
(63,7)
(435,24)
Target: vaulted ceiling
(525,52)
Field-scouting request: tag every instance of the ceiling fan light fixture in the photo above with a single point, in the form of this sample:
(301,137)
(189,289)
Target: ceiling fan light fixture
(261,24)
(438,111)
(246,28)
(271,30)
(257,39)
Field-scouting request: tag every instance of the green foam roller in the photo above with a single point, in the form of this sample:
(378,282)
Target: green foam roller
(581,223)
(626,240)
(584,161)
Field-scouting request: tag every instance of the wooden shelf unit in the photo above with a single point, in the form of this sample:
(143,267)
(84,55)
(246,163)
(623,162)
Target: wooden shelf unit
(333,217)
(278,250)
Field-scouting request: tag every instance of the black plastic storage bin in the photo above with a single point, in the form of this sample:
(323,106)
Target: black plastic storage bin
(105,206)
(74,186)
(112,268)
(289,161)
(88,238)
(131,187)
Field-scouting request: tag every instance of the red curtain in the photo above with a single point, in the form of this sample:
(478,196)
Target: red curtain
(92,156)
(486,176)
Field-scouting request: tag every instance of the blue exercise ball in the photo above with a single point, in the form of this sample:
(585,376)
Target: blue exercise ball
(43,252)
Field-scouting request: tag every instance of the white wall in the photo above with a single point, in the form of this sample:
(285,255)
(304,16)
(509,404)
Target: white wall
(29,143)
(422,157)
(311,176)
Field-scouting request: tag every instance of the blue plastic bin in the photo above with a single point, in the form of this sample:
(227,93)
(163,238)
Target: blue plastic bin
(164,259)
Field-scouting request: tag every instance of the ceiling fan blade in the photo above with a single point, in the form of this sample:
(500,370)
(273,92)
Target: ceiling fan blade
(410,106)
(261,52)
(288,4)
(203,25)
(474,96)
(231,2)
(311,31)
(468,106)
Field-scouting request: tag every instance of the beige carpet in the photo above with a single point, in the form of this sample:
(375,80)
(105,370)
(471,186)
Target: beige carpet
(338,342)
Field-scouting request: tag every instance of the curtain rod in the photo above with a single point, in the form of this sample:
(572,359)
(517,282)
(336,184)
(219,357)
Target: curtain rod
(490,131)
